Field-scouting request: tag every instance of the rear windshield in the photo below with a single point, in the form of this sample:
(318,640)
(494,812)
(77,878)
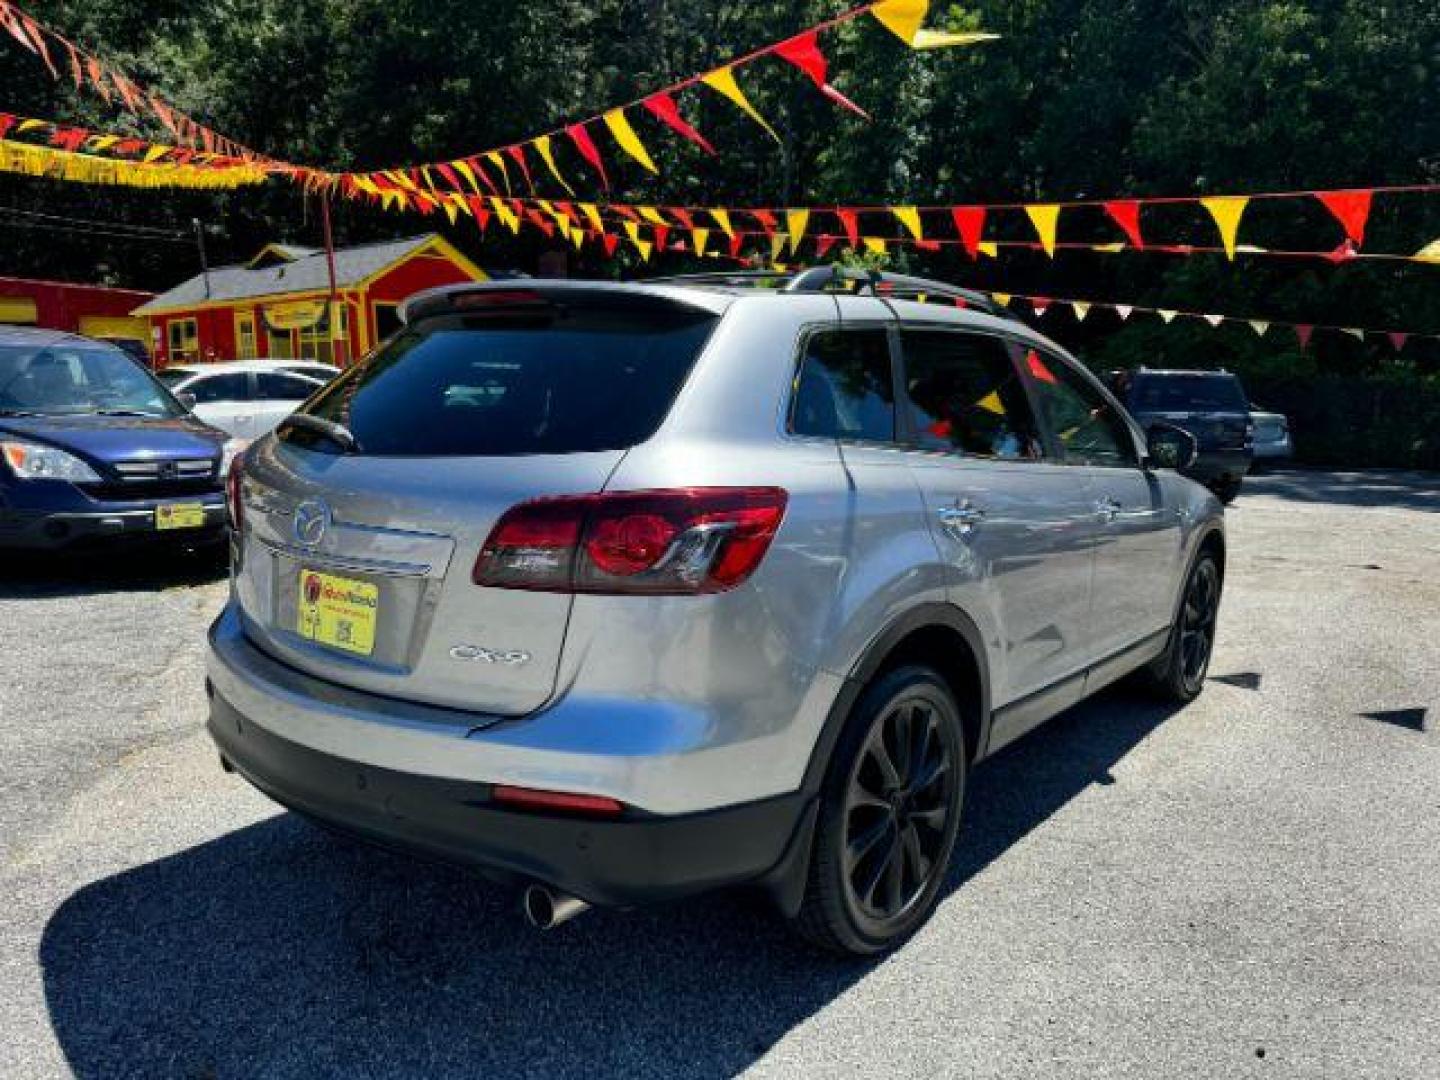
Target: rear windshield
(558,381)
(1188,393)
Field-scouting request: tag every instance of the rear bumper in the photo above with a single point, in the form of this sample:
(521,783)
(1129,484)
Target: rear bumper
(1213,465)
(1274,450)
(54,529)
(635,860)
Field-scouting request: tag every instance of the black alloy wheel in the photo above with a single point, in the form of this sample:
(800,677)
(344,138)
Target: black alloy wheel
(1197,623)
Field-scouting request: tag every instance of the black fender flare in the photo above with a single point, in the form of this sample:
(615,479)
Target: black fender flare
(786,882)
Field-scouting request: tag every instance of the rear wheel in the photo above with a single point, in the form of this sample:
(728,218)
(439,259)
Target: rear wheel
(889,816)
(1179,673)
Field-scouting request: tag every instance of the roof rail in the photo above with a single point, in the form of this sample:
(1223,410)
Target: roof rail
(844,279)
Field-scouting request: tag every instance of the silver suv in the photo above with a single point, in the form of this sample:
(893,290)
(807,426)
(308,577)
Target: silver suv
(629,591)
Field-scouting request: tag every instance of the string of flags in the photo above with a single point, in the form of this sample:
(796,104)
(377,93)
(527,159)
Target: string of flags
(1040,306)
(25,159)
(430,186)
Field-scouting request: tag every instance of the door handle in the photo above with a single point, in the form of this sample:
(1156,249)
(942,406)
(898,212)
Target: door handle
(961,519)
(1107,510)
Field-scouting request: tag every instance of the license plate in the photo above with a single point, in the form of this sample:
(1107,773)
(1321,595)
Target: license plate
(338,612)
(180,516)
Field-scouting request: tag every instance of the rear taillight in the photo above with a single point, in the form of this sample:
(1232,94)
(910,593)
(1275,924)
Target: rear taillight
(233,480)
(672,542)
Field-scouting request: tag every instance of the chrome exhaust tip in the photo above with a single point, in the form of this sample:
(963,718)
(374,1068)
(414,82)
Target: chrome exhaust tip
(545,909)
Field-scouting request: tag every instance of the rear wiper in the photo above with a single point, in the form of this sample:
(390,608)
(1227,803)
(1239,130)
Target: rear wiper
(130,412)
(339,434)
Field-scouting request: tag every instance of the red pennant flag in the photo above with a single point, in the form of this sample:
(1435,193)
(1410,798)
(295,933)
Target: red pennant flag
(517,154)
(480,210)
(804,52)
(1038,368)
(1344,253)
(1040,304)
(11,21)
(6,123)
(1351,209)
(38,36)
(449,174)
(1398,339)
(823,243)
(767,221)
(662,233)
(479,170)
(1303,332)
(610,242)
(736,242)
(683,216)
(76,71)
(588,150)
(626,212)
(970,223)
(662,106)
(1126,214)
(851,221)
(927,245)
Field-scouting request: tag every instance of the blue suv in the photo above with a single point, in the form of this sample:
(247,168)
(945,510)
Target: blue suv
(93,448)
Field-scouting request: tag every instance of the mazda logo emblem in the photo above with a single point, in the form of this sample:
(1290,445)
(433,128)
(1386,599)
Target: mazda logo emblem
(312,521)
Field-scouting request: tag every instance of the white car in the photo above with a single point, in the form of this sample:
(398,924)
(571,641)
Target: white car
(246,398)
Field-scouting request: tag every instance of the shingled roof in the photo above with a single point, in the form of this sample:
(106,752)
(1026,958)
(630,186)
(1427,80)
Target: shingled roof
(306,272)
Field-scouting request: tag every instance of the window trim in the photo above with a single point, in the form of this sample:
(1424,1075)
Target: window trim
(246,317)
(193,336)
(787,412)
(1007,343)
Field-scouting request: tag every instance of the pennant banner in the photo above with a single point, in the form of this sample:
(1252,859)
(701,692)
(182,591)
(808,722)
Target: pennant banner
(41,161)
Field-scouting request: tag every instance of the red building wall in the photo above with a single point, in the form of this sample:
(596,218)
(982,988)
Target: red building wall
(60,305)
(412,276)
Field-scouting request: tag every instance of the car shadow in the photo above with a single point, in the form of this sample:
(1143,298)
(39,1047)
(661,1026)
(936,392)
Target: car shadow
(1364,488)
(43,576)
(279,951)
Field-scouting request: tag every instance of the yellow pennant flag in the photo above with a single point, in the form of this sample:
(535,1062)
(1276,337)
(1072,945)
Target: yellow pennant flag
(1045,217)
(796,221)
(644,247)
(1430,253)
(650,214)
(1226,210)
(495,159)
(988,247)
(1002,298)
(449,209)
(592,213)
(902,18)
(722,218)
(944,39)
(700,238)
(874,245)
(619,125)
(547,155)
(777,245)
(991,403)
(104,142)
(505,214)
(1081,309)
(1259,327)
(722,81)
(1166,314)
(463,168)
(154,154)
(910,218)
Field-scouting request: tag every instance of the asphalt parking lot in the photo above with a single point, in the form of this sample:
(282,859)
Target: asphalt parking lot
(1246,887)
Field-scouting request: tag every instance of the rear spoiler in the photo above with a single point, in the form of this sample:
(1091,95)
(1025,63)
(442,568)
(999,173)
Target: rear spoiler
(523,294)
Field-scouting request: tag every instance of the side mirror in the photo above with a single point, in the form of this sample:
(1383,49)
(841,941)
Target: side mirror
(1171,447)
(189,400)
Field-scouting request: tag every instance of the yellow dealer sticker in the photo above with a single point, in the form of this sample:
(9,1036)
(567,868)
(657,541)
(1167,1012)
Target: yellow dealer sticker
(179,516)
(336,611)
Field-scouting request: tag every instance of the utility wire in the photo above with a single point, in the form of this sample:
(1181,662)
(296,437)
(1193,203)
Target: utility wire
(109,227)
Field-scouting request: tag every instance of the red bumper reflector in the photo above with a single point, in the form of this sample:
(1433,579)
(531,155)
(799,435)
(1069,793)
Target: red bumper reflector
(564,802)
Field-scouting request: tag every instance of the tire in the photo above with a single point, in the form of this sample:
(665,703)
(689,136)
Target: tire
(1226,490)
(1178,674)
(892,805)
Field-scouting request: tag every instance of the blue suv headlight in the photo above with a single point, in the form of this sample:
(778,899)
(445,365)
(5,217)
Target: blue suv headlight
(36,461)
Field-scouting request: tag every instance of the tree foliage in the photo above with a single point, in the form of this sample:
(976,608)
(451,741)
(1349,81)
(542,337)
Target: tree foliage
(1080,99)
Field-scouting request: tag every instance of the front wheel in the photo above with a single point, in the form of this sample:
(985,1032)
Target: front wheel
(1179,672)
(889,816)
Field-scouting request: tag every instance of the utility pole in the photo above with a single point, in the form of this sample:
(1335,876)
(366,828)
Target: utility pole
(331,312)
(204,265)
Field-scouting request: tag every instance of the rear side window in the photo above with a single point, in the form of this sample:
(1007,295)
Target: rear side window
(844,389)
(557,380)
(966,395)
(282,387)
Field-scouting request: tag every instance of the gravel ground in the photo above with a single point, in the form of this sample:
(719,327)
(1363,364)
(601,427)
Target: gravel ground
(1245,887)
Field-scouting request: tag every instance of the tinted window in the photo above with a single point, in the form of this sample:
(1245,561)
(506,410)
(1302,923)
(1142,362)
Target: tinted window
(966,395)
(844,389)
(63,379)
(270,387)
(213,388)
(1187,393)
(1087,427)
(553,381)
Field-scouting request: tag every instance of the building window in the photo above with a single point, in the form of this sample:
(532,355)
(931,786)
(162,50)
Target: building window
(184,340)
(387,320)
(245,348)
(279,344)
(316,342)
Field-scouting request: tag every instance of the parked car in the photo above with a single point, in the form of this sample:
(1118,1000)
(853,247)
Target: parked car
(633,591)
(246,398)
(1211,405)
(93,448)
(1272,436)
